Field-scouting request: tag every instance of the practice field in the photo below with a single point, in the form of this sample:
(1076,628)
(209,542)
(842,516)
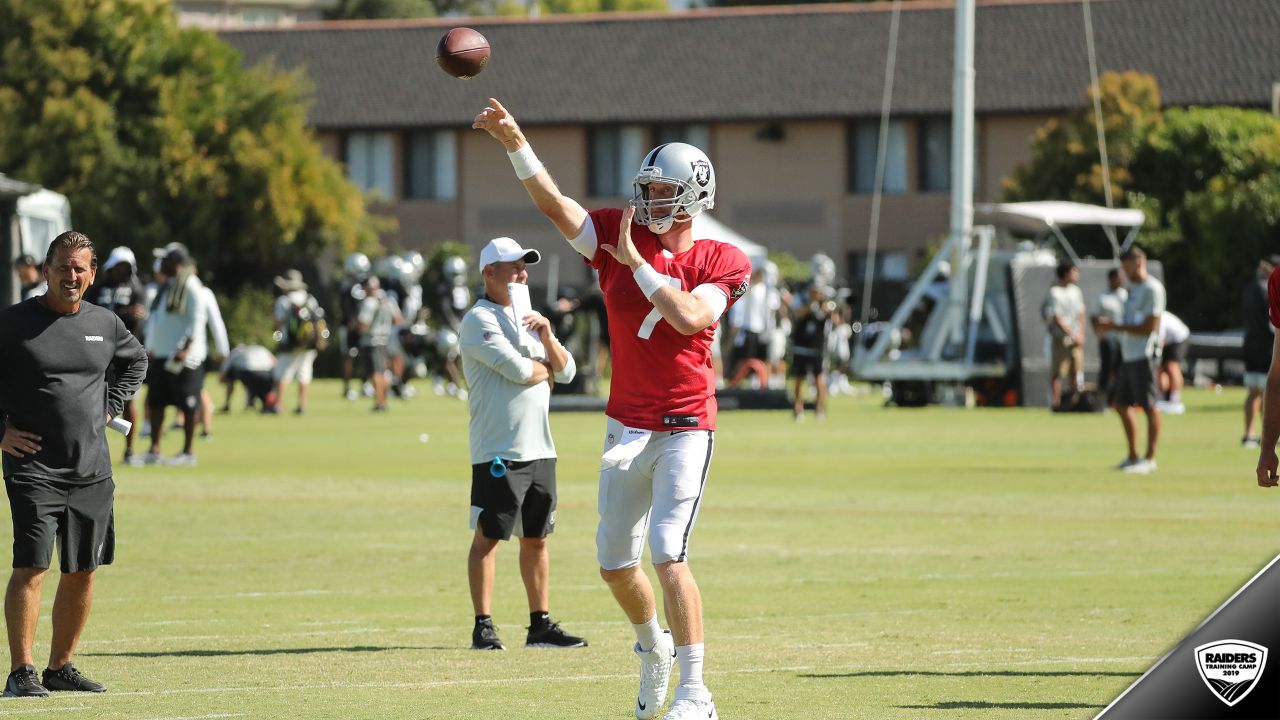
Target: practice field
(889,563)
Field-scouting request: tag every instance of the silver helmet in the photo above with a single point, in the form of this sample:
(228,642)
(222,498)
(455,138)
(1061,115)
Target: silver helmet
(357,265)
(688,169)
(823,269)
(415,259)
(455,269)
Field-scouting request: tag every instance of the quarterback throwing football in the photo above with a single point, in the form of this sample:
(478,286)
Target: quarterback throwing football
(664,291)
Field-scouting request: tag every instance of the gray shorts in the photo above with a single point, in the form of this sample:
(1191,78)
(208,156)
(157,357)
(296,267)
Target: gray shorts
(1136,384)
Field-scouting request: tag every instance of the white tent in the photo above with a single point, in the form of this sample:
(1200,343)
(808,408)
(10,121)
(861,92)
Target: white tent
(705,226)
(1037,217)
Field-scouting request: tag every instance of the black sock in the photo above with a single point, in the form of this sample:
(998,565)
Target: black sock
(539,620)
(483,619)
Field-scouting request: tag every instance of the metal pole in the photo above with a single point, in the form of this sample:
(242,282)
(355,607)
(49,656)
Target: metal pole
(962,125)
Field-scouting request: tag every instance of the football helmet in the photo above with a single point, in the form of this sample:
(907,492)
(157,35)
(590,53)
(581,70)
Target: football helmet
(455,269)
(357,265)
(388,268)
(684,166)
(414,258)
(823,269)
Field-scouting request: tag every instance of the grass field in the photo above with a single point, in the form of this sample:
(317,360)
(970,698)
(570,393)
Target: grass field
(889,563)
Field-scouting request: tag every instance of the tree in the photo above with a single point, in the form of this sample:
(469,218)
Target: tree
(385,9)
(1208,180)
(158,134)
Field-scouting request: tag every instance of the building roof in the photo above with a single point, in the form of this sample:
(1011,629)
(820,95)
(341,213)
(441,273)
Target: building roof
(814,61)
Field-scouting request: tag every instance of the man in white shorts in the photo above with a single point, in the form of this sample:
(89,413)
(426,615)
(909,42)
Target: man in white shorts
(664,290)
(295,310)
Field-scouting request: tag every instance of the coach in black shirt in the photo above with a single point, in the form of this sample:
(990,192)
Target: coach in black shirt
(55,401)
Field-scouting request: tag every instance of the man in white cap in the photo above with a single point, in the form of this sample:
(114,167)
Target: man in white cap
(117,288)
(177,343)
(301,333)
(511,359)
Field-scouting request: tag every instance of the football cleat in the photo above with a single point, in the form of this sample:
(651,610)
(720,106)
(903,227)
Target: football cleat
(655,675)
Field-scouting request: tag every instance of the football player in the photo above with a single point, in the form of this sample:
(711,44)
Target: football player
(664,290)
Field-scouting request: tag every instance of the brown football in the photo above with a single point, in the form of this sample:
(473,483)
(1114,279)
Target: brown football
(462,53)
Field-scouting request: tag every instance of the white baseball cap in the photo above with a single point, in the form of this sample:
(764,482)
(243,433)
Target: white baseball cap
(119,255)
(504,249)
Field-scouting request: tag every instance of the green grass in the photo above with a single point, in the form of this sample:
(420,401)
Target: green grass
(890,563)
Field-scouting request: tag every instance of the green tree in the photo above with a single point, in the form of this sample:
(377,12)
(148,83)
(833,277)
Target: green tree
(158,134)
(1208,180)
(387,9)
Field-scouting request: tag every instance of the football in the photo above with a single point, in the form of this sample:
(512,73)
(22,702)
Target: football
(462,53)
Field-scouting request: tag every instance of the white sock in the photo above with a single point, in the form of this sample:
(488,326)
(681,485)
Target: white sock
(647,634)
(691,685)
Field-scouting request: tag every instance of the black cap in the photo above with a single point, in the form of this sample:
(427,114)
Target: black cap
(25,259)
(1272,260)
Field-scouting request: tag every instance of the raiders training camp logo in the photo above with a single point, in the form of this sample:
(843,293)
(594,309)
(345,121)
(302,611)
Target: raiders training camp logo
(1230,668)
(701,172)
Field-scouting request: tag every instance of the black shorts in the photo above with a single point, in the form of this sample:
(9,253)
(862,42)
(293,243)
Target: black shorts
(528,490)
(808,365)
(1136,384)
(79,516)
(1174,352)
(181,390)
(257,383)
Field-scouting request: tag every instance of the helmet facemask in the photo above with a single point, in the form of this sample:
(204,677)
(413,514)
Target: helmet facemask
(694,192)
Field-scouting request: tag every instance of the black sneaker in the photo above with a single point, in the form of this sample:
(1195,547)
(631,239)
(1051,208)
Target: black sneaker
(69,678)
(551,636)
(24,682)
(485,637)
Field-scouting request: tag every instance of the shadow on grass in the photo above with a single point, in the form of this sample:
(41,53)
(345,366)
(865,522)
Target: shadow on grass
(265,651)
(1001,706)
(971,673)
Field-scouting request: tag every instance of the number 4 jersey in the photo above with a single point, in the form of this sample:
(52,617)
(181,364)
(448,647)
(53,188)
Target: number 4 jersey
(662,380)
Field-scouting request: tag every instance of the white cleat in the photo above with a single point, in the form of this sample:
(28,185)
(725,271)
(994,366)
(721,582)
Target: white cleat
(1142,467)
(692,710)
(655,676)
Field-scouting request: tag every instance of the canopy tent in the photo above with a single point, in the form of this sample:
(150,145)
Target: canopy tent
(705,226)
(1051,216)
(1038,217)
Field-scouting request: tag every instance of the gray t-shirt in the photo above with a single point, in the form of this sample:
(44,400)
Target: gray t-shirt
(1110,305)
(1065,302)
(1146,299)
(54,383)
(508,418)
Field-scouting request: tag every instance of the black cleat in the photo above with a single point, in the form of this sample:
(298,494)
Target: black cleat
(485,637)
(24,682)
(69,678)
(551,636)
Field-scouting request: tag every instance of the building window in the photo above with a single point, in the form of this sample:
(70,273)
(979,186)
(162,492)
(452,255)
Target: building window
(889,266)
(432,165)
(369,162)
(935,154)
(696,135)
(616,153)
(864,137)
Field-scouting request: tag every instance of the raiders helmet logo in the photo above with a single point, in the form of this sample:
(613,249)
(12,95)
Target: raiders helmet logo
(701,172)
(741,290)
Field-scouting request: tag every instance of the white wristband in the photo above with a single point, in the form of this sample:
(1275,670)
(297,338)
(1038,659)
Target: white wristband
(525,162)
(648,279)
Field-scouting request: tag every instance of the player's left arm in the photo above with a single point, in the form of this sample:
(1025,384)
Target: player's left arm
(688,312)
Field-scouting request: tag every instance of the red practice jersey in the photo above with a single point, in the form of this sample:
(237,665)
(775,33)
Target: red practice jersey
(1273,294)
(661,378)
